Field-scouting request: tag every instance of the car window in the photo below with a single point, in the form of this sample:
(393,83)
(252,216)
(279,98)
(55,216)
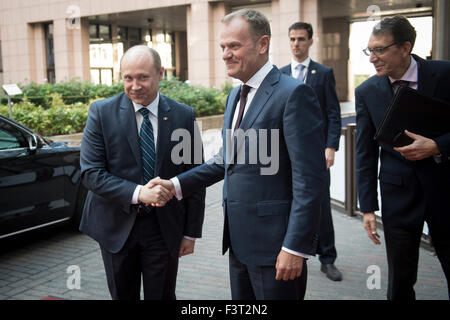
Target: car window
(11,137)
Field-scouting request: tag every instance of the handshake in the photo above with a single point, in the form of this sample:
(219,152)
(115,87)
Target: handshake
(157,192)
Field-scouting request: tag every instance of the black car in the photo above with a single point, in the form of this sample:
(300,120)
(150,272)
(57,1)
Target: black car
(39,181)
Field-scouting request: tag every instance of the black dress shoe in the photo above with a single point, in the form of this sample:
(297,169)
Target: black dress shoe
(331,271)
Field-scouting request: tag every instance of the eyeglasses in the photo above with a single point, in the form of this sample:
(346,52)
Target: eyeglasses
(376,51)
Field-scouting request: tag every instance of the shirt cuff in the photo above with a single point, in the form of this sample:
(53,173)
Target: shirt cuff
(307,256)
(177,186)
(190,238)
(135,198)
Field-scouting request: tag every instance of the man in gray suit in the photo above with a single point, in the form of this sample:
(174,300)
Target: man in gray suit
(126,142)
(271,216)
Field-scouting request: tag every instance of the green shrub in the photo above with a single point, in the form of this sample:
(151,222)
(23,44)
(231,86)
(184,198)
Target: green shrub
(62,108)
(55,120)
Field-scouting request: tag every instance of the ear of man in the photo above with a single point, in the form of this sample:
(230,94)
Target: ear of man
(263,44)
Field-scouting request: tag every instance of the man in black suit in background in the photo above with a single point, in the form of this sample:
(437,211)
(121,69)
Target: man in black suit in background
(127,142)
(321,79)
(414,179)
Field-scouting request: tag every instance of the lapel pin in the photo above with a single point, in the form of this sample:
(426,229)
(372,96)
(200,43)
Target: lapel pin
(165,118)
(313,71)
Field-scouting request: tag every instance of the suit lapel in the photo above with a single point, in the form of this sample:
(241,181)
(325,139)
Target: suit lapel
(164,129)
(260,99)
(233,99)
(425,83)
(258,103)
(311,79)
(129,127)
(384,93)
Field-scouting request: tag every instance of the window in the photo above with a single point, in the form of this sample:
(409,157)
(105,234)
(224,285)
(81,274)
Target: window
(101,54)
(10,137)
(105,32)
(100,33)
(49,52)
(93,33)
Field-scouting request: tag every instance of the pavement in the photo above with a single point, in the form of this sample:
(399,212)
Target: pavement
(43,264)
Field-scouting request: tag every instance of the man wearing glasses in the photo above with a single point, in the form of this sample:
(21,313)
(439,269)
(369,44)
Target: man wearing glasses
(414,179)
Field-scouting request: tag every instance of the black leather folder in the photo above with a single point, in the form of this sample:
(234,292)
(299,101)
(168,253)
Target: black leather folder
(419,114)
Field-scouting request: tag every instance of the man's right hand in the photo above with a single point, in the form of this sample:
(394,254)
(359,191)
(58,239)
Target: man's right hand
(157,195)
(161,183)
(370,224)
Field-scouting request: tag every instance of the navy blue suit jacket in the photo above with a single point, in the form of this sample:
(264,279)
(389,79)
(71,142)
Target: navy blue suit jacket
(111,168)
(409,189)
(265,212)
(321,79)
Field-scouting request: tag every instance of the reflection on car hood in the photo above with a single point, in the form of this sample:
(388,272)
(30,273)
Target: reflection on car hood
(58,144)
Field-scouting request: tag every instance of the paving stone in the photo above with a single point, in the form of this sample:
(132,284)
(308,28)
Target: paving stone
(38,269)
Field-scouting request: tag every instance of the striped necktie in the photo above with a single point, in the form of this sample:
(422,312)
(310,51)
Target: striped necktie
(147,142)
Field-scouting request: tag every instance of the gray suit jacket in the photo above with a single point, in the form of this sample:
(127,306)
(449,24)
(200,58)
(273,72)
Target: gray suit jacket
(111,168)
(265,212)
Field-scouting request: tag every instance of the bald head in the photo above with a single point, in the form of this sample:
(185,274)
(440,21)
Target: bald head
(140,53)
(141,73)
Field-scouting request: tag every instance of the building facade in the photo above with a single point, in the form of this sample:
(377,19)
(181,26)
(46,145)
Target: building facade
(57,40)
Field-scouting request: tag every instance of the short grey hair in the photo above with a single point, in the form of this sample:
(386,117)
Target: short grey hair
(153,53)
(258,24)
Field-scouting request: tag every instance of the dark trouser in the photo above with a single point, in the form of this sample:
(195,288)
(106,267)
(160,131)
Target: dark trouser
(144,255)
(325,247)
(402,249)
(258,282)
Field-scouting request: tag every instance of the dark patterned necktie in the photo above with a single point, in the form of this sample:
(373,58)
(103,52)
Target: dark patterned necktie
(147,142)
(243,100)
(397,84)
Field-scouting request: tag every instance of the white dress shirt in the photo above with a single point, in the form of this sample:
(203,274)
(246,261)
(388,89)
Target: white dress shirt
(411,75)
(153,117)
(295,71)
(254,83)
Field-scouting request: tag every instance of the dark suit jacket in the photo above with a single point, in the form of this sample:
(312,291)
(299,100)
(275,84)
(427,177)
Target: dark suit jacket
(265,212)
(409,189)
(111,168)
(321,79)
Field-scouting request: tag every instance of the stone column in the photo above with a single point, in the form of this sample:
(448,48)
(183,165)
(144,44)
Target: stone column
(71,49)
(198,17)
(441,30)
(219,10)
(37,56)
(284,14)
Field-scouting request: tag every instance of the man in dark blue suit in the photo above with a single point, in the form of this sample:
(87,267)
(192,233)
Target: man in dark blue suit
(414,179)
(321,79)
(126,142)
(271,208)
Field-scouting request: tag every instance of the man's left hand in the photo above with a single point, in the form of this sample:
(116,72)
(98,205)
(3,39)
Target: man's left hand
(421,148)
(329,156)
(288,266)
(187,247)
